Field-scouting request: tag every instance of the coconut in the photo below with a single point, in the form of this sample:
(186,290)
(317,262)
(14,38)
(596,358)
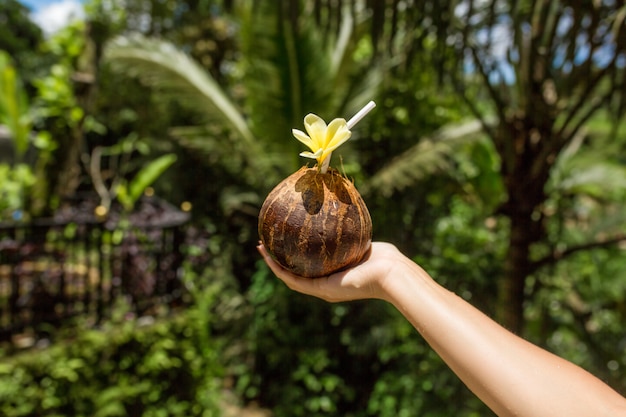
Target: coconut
(315,223)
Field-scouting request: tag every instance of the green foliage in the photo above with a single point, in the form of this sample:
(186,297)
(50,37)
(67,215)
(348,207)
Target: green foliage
(478,172)
(579,309)
(14,105)
(161,65)
(467,251)
(21,34)
(19,37)
(363,358)
(421,384)
(62,114)
(56,98)
(430,156)
(15,183)
(243,77)
(129,192)
(290,69)
(594,170)
(294,370)
(465,255)
(287,71)
(168,368)
(223,132)
(576,305)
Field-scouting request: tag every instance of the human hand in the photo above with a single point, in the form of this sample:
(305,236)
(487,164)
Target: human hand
(362,281)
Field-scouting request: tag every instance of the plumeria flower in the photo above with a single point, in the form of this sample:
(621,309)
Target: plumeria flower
(322,139)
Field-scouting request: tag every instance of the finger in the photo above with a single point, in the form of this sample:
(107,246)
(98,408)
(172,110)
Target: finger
(307,286)
(267,258)
(276,268)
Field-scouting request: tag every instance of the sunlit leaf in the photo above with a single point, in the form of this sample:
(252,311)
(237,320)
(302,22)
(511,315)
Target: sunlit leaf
(429,156)
(128,195)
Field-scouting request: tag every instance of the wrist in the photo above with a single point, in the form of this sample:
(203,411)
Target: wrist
(405,282)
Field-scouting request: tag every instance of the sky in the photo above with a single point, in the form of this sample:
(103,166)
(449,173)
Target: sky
(52,15)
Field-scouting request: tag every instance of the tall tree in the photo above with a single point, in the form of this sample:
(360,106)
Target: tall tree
(533,74)
(545,69)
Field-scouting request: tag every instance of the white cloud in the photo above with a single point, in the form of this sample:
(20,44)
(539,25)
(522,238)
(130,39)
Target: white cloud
(56,15)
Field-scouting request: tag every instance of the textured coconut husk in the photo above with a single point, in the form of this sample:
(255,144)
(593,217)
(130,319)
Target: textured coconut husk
(315,224)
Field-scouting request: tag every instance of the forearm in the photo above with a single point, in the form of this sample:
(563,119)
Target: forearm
(512,376)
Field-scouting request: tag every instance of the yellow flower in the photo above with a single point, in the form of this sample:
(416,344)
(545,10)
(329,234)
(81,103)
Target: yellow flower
(322,139)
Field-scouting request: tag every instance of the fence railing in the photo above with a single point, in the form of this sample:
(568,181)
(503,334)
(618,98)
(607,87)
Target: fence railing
(52,269)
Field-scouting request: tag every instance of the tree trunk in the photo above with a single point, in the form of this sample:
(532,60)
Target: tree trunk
(521,146)
(510,308)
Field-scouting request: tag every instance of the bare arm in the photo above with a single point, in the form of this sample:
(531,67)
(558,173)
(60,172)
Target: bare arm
(512,376)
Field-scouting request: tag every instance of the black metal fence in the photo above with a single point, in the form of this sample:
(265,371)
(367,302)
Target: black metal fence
(52,269)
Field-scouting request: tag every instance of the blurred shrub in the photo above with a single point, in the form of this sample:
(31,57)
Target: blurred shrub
(14,181)
(127,368)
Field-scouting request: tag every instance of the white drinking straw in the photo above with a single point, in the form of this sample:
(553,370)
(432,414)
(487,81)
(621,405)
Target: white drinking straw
(354,120)
(360,114)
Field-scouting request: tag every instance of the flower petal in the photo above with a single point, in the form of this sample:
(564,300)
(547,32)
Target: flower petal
(333,128)
(311,155)
(337,144)
(316,128)
(304,138)
(340,134)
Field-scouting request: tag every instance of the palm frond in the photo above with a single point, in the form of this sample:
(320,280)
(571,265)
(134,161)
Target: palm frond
(599,178)
(292,70)
(287,71)
(161,65)
(354,83)
(233,155)
(432,155)
(341,48)
(589,168)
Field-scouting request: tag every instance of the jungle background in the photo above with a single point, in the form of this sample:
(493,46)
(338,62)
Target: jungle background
(495,158)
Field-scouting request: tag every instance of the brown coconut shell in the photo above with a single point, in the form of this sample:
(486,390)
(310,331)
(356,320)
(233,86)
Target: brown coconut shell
(315,224)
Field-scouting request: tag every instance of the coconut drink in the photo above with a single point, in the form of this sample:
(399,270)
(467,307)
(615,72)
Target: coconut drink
(315,223)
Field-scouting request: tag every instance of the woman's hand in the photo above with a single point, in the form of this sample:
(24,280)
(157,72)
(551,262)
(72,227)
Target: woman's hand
(366,280)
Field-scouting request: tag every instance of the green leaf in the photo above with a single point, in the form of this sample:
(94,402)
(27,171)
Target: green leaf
(128,195)
(161,65)
(13,105)
(431,155)
(149,174)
